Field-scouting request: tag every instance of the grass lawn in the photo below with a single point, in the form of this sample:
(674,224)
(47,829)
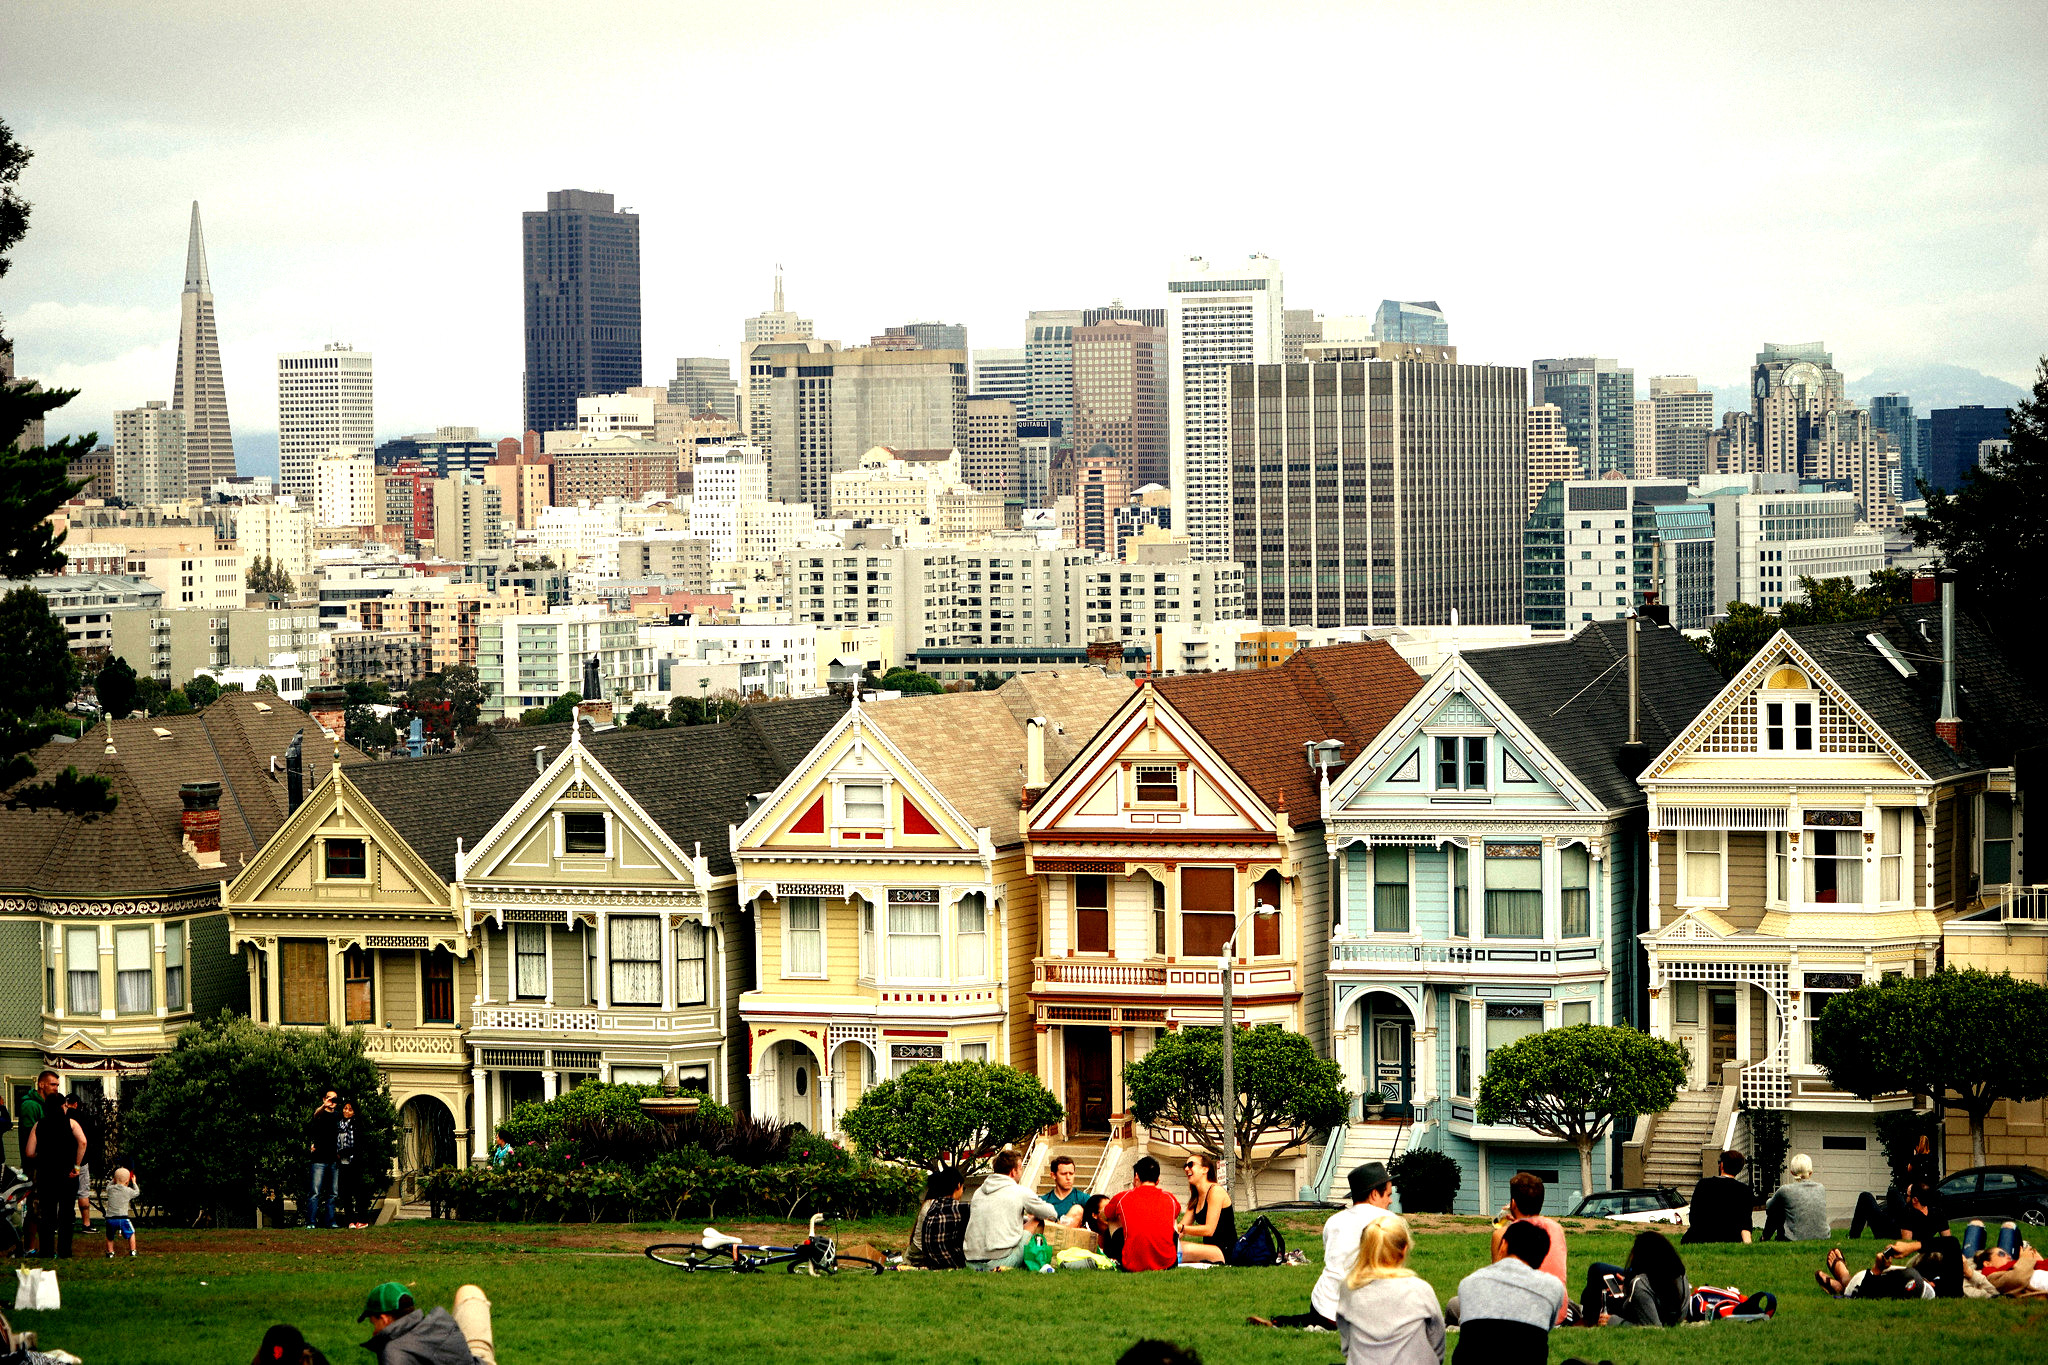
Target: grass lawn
(577,1293)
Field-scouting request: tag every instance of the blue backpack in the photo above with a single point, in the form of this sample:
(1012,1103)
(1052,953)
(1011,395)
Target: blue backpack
(1259,1244)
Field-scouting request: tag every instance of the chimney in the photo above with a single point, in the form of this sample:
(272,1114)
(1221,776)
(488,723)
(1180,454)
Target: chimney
(540,758)
(294,776)
(1634,755)
(1034,753)
(200,821)
(1948,725)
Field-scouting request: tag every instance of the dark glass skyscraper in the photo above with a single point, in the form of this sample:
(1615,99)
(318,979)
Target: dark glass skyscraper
(1956,434)
(1597,399)
(582,264)
(1893,413)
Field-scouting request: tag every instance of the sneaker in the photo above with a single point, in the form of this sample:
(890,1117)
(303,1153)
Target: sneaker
(110,1255)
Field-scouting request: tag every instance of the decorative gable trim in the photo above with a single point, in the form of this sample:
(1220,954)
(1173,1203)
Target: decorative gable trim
(334,796)
(1098,766)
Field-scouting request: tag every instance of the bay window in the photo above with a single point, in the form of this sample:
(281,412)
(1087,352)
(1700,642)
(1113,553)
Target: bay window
(692,963)
(1159,918)
(1834,866)
(1091,913)
(1390,890)
(635,942)
(1514,891)
(1509,1022)
(133,993)
(867,941)
(806,933)
(1461,1042)
(1266,919)
(973,916)
(1821,987)
(530,961)
(1699,864)
(174,965)
(358,997)
(1891,850)
(1575,893)
(302,980)
(1461,892)
(916,952)
(1208,907)
(1576,1012)
(437,987)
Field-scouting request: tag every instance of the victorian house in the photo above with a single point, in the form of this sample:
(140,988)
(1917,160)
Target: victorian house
(1488,852)
(1189,823)
(886,876)
(112,928)
(1847,795)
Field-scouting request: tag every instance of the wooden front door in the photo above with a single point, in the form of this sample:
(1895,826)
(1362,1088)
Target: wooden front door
(1087,1052)
(1387,1063)
(1720,1032)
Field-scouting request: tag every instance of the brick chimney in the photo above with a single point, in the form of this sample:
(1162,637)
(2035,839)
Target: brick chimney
(200,821)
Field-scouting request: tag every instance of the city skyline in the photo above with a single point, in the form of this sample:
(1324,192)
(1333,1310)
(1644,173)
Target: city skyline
(312,236)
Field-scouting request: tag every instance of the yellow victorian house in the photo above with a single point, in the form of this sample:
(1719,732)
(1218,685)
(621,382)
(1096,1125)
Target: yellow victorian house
(895,919)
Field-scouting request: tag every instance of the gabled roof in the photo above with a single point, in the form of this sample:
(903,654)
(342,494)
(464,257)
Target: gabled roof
(1573,696)
(1259,721)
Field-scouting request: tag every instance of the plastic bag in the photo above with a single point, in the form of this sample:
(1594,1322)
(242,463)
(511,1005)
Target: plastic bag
(1037,1254)
(36,1289)
(1080,1258)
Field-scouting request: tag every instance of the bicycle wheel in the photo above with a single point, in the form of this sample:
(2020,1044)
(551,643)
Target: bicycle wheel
(860,1265)
(693,1256)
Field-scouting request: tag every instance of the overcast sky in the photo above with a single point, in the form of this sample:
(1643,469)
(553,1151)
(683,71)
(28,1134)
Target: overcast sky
(1670,185)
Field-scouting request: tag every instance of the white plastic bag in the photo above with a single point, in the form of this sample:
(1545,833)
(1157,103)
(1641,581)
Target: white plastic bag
(36,1289)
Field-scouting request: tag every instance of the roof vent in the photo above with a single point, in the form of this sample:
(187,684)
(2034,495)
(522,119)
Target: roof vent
(160,732)
(1890,654)
(262,706)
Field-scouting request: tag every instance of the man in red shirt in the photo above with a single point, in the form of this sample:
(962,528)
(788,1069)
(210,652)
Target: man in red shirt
(1149,1216)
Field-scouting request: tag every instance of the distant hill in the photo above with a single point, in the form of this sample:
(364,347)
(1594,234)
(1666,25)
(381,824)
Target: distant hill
(1937,386)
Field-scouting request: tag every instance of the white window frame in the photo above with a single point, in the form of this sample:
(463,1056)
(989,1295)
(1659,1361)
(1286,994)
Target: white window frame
(962,935)
(1465,739)
(1179,800)
(679,936)
(1688,893)
(936,937)
(1898,865)
(846,816)
(612,961)
(320,864)
(2011,839)
(787,916)
(562,834)
(515,929)
(178,932)
(1790,698)
(127,935)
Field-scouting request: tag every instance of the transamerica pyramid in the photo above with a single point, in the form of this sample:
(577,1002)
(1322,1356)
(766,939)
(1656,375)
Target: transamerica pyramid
(198,391)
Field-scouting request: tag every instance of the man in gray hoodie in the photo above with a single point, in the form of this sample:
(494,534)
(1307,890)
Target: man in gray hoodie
(1514,1288)
(406,1336)
(995,1218)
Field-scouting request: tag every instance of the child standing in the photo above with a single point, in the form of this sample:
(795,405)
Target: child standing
(118,1204)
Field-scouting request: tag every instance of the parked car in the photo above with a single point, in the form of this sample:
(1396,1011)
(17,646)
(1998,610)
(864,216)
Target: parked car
(1987,1192)
(1661,1204)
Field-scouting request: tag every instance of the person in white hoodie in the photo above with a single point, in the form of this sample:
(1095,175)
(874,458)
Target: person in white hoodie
(1388,1315)
(995,1218)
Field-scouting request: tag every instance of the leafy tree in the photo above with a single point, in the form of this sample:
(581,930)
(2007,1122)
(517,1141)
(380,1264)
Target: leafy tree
(367,692)
(1735,639)
(448,703)
(987,681)
(204,690)
(210,1159)
(268,577)
(909,680)
(264,683)
(178,702)
(560,711)
(1286,1094)
(950,1114)
(38,673)
(367,730)
(1993,533)
(645,717)
(150,695)
(1573,1083)
(1966,1037)
(116,687)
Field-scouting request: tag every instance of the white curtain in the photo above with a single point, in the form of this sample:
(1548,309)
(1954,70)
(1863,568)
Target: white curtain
(973,937)
(806,939)
(690,973)
(530,953)
(636,960)
(132,993)
(82,966)
(915,951)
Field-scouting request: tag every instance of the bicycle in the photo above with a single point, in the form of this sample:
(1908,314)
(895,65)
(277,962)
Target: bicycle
(715,1251)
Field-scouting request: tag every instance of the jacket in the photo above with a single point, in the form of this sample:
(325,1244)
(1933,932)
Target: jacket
(995,1218)
(421,1339)
(1391,1322)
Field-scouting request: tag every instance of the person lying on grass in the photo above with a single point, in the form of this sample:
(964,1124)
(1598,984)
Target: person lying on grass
(1882,1281)
(406,1336)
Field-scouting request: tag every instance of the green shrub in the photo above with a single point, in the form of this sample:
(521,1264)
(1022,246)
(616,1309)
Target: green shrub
(1427,1180)
(687,1183)
(945,1114)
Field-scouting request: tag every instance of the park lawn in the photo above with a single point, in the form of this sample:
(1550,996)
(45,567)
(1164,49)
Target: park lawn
(580,1294)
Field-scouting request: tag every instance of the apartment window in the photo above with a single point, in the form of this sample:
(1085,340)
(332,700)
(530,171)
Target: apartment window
(636,960)
(1576,1012)
(1510,1022)
(1788,727)
(1207,910)
(806,937)
(1575,893)
(1091,913)
(174,966)
(132,978)
(1699,864)
(358,992)
(1834,866)
(1514,891)
(1996,861)
(437,987)
(973,937)
(530,961)
(1461,763)
(583,831)
(347,859)
(302,981)
(1158,784)
(916,951)
(1390,890)
(1461,892)
(1891,854)
(693,942)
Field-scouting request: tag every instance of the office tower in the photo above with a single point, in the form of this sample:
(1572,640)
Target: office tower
(1301,326)
(1791,386)
(1769,533)
(1551,457)
(1923,450)
(704,384)
(444,450)
(344,488)
(1035,445)
(1954,435)
(1645,423)
(936,336)
(828,409)
(1731,447)
(1120,396)
(758,363)
(151,463)
(582,268)
(1592,548)
(988,462)
(1893,414)
(323,401)
(1116,312)
(1342,517)
(1049,351)
(1597,398)
(1418,322)
(1845,446)
(197,390)
(1094,484)
(1677,405)
(777,324)
(1003,372)
(1216,317)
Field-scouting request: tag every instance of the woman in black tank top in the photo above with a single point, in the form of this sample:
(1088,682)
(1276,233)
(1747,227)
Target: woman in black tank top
(1208,1230)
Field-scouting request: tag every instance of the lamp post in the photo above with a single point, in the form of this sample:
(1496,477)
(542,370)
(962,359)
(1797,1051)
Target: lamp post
(1229,964)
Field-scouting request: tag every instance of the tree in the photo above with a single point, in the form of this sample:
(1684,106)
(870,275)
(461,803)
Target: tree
(1966,1037)
(950,1114)
(1573,1083)
(367,730)
(987,681)
(204,690)
(268,577)
(1735,639)
(1286,1094)
(645,717)
(911,681)
(560,711)
(38,673)
(264,683)
(115,687)
(366,692)
(447,703)
(1993,533)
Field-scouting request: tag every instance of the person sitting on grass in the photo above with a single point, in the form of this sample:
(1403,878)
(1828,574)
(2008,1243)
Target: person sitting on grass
(995,1217)
(1095,1217)
(1149,1217)
(1372,1191)
(1208,1230)
(284,1344)
(936,1238)
(1525,1205)
(118,1204)
(1885,1220)
(1063,1196)
(1798,1212)
(404,1335)
(1721,1204)
(1388,1314)
(1515,1288)
(1650,1291)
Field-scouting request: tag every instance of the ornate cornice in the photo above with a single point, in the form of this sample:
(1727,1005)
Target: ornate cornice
(172,904)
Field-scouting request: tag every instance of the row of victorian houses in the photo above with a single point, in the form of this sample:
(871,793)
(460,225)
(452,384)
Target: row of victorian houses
(784,909)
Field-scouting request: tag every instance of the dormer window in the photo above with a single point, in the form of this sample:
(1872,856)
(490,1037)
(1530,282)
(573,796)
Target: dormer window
(1787,719)
(583,832)
(1461,763)
(861,803)
(1156,785)
(347,859)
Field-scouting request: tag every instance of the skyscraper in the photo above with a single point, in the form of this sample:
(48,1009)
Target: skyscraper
(1049,350)
(1679,410)
(1004,372)
(1791,387)
(938,336)
(778,323)
(784,329)
(830,408)
(151,465)
(1421,322)
(1892,413)
(1551,457)
(988,462)
(704,384)
(1120,396)
(1115,311)
(1216,317)
(197,391)
(323,401)
(1956,433)
(1301,326)
(1598,400)
(582,290)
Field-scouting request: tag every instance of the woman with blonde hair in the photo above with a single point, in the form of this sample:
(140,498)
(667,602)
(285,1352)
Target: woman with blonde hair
(1387,1314)
(1798,1211)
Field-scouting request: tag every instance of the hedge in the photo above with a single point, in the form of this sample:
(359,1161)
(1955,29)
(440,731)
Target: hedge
(677,1185)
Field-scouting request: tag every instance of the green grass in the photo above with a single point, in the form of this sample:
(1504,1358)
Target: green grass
(584,1294)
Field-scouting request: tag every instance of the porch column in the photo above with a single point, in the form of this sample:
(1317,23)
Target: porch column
(1654,840)
(828,1095)
(483,963)
(1116,1072)
(480,1105)
(668,963)
(548,945)
(550,1083)
(1741,1023)
(1553,893)
(1340,895)
(1476,1024)
(1423,1084)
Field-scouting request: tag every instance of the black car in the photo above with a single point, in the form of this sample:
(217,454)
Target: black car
(2003,1192)
(1661,1204)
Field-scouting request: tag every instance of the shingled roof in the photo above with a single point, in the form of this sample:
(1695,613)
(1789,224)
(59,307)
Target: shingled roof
(1259,722)
(138,850)
(692,781)
(1573,696)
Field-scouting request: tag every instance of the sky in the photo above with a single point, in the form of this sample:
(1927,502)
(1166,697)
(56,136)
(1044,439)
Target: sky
(1671,185)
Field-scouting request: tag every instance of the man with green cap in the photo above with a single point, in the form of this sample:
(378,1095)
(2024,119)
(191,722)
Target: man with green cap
(406,1336)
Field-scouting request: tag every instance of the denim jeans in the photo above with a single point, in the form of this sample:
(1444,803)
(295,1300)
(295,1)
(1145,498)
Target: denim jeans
(320,1197)
(1973,1239)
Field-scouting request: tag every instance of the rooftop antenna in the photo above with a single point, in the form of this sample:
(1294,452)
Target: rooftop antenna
(778,286)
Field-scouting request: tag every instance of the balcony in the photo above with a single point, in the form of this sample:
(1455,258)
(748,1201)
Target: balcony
(1465,961)
(1166,982)
(402,1045)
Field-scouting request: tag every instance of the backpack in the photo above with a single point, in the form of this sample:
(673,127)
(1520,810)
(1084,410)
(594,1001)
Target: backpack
(1259,1244)
(1709,1303)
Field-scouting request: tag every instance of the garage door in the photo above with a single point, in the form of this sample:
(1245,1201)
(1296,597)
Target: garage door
(1847,1157)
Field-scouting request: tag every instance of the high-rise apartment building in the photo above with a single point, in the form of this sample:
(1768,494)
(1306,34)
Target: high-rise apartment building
(704,384)
(1089,487)
(1300,327)
(1120,397)
(197,390)
(1217,316)
(1422,323)
(468,518)
(1590,551)
(323,401)
(1678,411)
(614,467)
(582,294)
(988,462)
(1892,413)
(1379,492)
(1004,372)
(1551,456)
(151,464)
(345,488)
(1049,352)
(1598,400)
(826,410)
(1954,437)
(1845,446)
